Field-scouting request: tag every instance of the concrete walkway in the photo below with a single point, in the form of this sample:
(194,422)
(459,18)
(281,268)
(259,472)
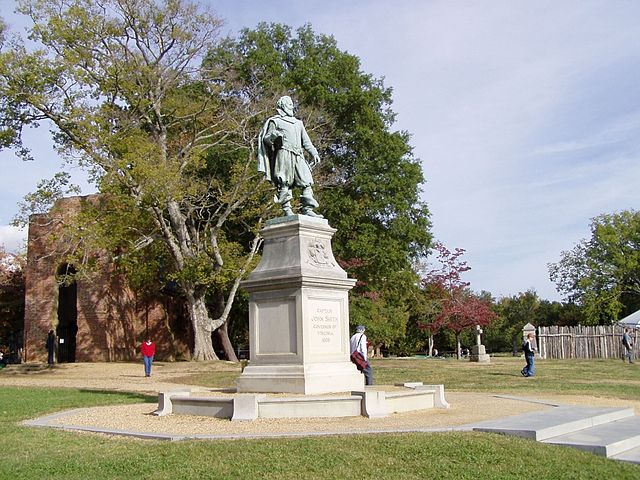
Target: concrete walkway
(611,432)
(607,431)
(57,421)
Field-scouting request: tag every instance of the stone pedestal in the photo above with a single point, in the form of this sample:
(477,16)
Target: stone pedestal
(479,354)
(299,313)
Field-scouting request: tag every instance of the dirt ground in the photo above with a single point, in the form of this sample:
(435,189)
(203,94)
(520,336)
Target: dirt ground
(115,376)
(465,407)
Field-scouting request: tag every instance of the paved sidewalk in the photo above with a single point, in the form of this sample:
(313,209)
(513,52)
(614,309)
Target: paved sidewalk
(468,411)
(61,421)
(138,420)
(606,431)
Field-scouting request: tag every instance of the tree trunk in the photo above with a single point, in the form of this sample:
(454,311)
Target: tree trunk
(202,345)
(458,347)
(223,336)
(221,329)
(430,352)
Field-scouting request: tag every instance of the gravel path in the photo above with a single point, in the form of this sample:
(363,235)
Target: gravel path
(121,377)
(465,408)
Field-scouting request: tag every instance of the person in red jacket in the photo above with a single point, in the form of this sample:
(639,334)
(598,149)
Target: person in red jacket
(148,350)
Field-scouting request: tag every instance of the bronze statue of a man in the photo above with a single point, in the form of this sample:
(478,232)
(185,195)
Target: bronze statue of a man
(281,146)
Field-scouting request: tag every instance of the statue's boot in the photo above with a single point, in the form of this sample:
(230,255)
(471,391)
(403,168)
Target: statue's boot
(309,203)
(310,213)
(307,199)
(283,196)
(287,208)
(284,199)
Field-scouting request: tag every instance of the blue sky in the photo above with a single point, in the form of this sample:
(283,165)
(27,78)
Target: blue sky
(525,115)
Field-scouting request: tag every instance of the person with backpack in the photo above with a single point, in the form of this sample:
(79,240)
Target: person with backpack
(529,348)
(358,346)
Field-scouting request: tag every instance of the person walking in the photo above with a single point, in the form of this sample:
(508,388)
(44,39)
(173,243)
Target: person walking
(627,343)
(358,343)
(148,350)
(51,346)
(529,347)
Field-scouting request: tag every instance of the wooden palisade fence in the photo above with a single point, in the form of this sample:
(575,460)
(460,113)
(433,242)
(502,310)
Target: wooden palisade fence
(583,342)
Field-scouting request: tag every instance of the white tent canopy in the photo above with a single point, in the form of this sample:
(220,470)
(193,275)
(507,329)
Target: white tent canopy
(632,320)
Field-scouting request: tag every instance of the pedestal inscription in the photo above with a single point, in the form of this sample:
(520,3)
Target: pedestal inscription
(325,332)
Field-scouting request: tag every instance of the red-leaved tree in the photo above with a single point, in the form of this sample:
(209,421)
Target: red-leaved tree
(463,310)
(458,307)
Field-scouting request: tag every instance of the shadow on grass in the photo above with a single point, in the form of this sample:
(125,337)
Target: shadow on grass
(127,395)
(28,369)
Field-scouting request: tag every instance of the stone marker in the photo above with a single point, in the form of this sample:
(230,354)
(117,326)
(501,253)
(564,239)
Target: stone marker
(478,352)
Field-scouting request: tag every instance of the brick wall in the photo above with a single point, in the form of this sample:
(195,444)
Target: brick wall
(112,319)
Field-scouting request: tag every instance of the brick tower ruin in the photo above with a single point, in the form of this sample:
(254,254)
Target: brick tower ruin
(96,319)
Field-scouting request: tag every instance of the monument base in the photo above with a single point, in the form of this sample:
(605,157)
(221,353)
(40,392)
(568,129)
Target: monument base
(371,402)
(299,313)
(308,379)
(478,354)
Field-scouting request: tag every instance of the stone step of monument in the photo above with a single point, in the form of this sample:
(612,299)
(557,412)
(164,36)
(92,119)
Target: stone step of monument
(370,402)
(607,439)
(554,422)
(632,455)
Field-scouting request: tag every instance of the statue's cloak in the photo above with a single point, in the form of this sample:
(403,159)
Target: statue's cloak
(266,154)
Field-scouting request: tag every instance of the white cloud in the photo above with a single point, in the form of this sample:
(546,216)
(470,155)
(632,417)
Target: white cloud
(12,238)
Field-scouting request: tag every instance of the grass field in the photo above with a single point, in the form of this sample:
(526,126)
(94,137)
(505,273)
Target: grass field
(29,453)
(601,377)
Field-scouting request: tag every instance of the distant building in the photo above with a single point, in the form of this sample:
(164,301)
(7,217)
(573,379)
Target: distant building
(97,319)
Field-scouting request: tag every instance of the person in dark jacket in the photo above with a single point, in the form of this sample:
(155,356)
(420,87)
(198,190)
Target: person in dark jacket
(51,347)
(627,343)
(529,347)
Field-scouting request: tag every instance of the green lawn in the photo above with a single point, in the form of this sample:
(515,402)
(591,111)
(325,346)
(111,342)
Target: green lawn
(601,377)
(35,453)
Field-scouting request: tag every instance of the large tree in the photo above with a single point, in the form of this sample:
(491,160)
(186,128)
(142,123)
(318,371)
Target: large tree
(370,183)
(171,140)
(513,313)
(457,308)
(435,289)
(602,273)
(119,82)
